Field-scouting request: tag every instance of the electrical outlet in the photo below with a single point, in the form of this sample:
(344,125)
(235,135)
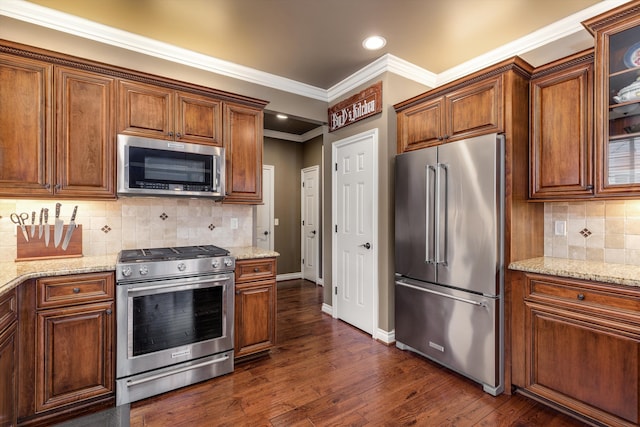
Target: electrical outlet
(560,228)
(276,221)
(234,223)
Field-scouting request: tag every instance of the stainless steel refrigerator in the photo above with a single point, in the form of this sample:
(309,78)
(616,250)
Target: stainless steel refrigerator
(449,248)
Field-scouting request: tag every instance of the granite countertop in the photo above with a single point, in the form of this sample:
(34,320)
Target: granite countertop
(14,273)
(251,252)
(620,274)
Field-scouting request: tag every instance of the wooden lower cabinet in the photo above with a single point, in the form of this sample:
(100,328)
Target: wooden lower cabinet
(8,359)
(67,350)
(255,306)
(576,344)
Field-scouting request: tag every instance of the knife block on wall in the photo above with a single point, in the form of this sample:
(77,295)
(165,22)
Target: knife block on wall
(35,249)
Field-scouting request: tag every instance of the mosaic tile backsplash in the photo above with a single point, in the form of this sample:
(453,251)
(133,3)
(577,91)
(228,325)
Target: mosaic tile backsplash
(605,231)
(129,223)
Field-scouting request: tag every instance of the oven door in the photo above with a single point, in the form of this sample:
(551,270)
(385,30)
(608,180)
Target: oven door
(166,322)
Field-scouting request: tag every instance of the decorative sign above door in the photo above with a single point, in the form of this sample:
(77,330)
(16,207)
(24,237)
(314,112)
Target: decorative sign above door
(357,107)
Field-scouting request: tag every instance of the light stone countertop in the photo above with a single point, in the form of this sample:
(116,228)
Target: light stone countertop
(14,273)
(620,274)
(251,252)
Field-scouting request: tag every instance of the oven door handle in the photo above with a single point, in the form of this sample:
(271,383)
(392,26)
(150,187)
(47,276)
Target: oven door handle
(132,383)
(173,285)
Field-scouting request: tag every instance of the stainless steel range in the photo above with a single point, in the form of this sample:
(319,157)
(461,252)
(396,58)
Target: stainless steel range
(175,318)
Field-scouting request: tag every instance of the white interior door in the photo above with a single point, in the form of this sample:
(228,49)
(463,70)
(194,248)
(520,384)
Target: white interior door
(264,213)
(310,233)
(355,230)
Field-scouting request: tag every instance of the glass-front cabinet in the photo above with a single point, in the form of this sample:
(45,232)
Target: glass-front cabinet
(617,100)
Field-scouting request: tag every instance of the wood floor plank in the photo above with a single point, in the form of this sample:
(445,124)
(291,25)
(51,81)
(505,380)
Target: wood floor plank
(324,372)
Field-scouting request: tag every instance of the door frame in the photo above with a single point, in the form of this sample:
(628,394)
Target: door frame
(316,169)
(371,134)
(268,191)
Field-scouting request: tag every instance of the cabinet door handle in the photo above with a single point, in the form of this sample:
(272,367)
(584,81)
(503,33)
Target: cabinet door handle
(76,290)
(108,311)
(47,186)
(178,135)
(171,134)
(256,270)
(581,297)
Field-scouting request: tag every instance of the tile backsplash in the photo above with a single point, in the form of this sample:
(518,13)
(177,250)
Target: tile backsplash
(606,231)
(128,223)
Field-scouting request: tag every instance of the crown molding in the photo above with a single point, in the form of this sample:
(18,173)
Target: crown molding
(553,32)
(386,63)
(59,21)
(296,138)
(49,18)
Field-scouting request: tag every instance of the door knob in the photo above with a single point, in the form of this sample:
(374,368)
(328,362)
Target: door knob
(266,233)
(366,245)
(313,232)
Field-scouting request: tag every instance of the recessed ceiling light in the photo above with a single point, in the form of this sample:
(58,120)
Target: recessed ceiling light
(374,42)
(282,116)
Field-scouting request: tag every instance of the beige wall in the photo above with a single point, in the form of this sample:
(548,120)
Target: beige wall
(289,158)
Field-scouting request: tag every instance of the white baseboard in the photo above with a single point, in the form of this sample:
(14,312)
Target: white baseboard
(320,281)
(288,276)
(326,308)
(384,336)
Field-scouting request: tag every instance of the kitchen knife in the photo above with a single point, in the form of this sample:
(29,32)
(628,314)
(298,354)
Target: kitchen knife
(70,228)
(46,226)
(40,225)
(57,230)
(33,223)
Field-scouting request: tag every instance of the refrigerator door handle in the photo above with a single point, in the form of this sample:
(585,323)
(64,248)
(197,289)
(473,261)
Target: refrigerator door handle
(429,291)
(442,244)
(430,204)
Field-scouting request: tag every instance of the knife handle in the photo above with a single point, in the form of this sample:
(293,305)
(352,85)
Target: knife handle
(41,212)
(46,215)
(73,215)
(58,206)
(33,217)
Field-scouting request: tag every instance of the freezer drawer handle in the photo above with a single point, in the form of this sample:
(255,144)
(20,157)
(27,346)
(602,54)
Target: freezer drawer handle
(468,301)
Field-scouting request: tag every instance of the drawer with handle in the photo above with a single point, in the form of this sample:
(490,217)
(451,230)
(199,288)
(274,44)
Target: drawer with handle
(75,289)
(255,269)
(579,294)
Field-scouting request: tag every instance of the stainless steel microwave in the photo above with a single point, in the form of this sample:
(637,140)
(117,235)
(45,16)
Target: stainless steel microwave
(154,167)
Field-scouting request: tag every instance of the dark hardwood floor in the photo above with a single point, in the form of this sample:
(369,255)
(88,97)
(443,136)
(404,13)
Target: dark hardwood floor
(324,372)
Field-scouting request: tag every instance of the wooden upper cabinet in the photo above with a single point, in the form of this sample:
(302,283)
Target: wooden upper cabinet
(471,110)
(79,161)
(243,151)
(26,145)
(474,110)
(421,126)
(85,138)
(199,119)
(617,103)
(159,112)
(561,135)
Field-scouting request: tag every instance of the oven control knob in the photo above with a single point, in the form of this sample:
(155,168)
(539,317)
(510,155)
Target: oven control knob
(126,271)
(144,270)
(228,262)
(215,263)
(182,266)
